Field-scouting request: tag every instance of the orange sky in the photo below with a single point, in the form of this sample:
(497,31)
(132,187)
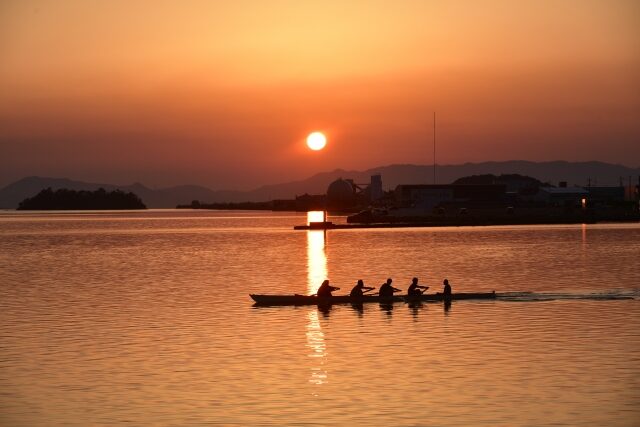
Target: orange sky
(223,93)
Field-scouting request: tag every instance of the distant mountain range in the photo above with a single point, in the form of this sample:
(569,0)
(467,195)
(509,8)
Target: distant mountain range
(575,173)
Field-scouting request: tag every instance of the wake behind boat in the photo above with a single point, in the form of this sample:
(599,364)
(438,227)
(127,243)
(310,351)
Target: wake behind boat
(296,299)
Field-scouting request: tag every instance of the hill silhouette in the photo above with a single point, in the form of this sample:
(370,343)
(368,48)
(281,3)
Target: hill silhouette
(13,194)
(64,199)
(574,173)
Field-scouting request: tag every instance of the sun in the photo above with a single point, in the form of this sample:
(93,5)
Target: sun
(316,141)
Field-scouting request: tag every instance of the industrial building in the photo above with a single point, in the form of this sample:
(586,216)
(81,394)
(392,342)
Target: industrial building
(345,194)
(423,199)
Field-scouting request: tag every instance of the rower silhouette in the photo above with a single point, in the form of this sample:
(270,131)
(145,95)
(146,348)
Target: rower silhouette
(386,290)
(324,291)
(358,289)
(415,289)
(447,289)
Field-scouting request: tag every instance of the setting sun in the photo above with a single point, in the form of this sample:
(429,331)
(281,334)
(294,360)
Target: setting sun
(316,141)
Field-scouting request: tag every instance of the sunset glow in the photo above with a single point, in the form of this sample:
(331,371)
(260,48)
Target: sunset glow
(176,93)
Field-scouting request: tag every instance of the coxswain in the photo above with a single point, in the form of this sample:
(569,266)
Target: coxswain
(386,290)
(415,289)
(447,289)
(358,289)
(324,291)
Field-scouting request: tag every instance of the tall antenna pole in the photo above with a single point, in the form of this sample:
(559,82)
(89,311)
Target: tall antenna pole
(434,147)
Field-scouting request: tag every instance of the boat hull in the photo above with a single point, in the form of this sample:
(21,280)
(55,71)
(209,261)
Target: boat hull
(269,300)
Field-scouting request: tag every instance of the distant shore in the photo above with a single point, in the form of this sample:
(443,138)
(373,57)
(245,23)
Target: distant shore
(65,199)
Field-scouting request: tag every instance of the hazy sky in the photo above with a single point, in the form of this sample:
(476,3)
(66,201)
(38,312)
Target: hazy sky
(223,94)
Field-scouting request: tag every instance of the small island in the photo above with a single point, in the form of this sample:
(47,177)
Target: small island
(64,199)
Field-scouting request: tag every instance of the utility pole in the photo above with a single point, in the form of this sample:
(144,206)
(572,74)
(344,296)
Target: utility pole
(434,148)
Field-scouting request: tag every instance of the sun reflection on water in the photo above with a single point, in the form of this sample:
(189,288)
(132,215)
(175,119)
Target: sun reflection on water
(316,255)
(317,272)
(315,216)
(318,349)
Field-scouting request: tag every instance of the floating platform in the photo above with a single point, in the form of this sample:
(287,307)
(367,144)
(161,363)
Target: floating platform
(471,222)
(328,225)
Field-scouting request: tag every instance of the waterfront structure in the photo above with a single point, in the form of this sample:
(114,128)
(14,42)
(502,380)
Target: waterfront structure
(341,195)
(561,196)
(341,191)
(418,199)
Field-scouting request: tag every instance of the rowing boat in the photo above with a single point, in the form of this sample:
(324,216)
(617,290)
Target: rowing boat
(346,299)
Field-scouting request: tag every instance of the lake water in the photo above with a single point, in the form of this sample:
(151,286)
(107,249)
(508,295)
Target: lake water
(144,318)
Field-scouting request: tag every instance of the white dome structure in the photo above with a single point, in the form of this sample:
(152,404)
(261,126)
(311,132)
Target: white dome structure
(340,190)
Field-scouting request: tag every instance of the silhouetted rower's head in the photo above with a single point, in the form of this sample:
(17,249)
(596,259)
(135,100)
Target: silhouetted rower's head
(360,282)
(414,280)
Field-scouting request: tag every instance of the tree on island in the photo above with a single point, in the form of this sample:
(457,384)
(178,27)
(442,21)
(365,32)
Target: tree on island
(64,199)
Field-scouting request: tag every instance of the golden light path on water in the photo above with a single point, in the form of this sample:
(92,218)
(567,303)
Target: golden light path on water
(317,272)
(316,255)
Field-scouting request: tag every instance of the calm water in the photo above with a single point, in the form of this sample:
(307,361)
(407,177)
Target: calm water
(145,319)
